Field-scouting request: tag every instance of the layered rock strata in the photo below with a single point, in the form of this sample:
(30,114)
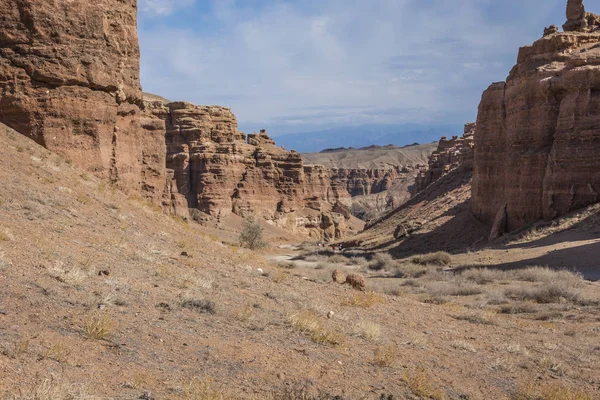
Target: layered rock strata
(69,79)
(538,133)
(450,154)
(218,170)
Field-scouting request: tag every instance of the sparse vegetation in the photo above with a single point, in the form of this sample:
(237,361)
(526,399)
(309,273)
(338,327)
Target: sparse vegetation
(420,383)
(203,306)
(309,322)
(364,300)
(382,261)
(385,356)
(368,330)
(552,391)
(202,389)
(252,234)
(98,325)
(52,389)
(439,258)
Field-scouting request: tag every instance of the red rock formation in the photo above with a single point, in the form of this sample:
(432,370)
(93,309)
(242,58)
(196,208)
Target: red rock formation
(69,79)
(218,170)
(450,154)
(538,133)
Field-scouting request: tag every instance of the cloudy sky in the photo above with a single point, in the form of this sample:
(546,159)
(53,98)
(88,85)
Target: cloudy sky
(298,65)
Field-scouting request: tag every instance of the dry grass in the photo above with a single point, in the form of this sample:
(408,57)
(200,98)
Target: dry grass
(98,325)
(310,323)
(278,274)
(552,391)
(57,352)
(52,389)
(385,356)
(6,236)
(439,258)
(464,345)
(70,275)
(420,384)
(200,389)
(244,314)
(368,330)
(364,300)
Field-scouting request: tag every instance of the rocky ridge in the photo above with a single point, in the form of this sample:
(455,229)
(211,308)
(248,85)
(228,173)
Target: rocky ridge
(218,170)
(538,133)
(450,154)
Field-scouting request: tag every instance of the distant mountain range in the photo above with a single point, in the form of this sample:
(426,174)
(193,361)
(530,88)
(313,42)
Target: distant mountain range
(366,135)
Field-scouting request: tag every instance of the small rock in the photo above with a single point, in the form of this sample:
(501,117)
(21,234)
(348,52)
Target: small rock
(330,314)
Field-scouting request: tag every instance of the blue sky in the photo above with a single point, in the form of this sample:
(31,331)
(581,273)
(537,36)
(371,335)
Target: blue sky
(293,66)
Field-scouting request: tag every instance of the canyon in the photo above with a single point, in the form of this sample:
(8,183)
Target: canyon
(59,86)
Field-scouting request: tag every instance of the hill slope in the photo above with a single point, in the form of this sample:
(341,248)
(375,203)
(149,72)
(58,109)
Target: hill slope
(78,257)
(373,158)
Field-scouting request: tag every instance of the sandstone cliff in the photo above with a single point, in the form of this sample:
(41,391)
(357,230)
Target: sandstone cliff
(214,168)
(538,133)
(450,154)
(69,79)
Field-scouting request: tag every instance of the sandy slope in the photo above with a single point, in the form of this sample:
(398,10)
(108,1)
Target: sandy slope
(73,249)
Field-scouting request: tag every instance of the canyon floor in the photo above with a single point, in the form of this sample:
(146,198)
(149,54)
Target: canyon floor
(105,297)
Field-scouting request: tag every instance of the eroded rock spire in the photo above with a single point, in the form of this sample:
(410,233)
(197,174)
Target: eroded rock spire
(576,16)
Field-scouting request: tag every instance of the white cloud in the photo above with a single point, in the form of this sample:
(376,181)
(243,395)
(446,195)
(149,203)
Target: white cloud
(338,61)
(163,7)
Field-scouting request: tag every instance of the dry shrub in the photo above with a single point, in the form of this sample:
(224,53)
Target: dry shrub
(310,323)
(98,325)
(368,330)
(410,271)
(382,261)
(547,275)
(483,276)
(244,314)
(552,391)
(519,308)
(364,300)
(439,258)
(202,306)
(419,382)
(456,287)
(278,274)
(478,317)
(385,356)
(555,292)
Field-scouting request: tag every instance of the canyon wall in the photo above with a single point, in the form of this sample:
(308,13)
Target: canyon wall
(219,171)
(450,154)
(69,79)
(538,133)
